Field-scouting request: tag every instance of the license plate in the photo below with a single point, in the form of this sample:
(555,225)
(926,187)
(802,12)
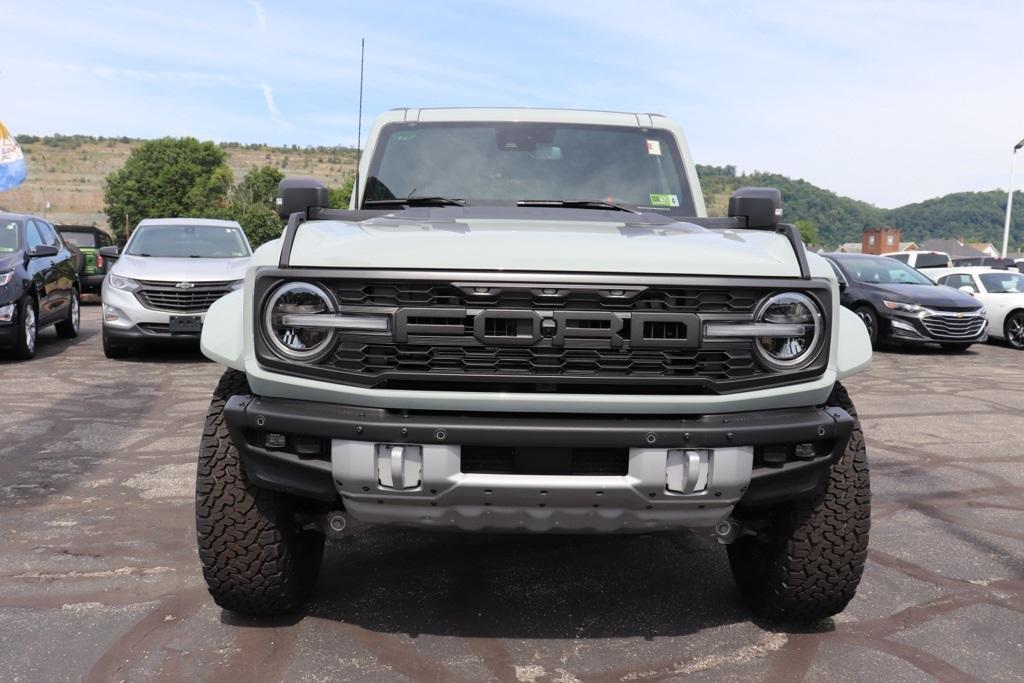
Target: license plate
(186,324)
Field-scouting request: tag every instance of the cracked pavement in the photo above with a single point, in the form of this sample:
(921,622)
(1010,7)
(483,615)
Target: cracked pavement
(99,578)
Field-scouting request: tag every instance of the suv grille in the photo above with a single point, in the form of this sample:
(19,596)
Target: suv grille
(167,296)
(568,334)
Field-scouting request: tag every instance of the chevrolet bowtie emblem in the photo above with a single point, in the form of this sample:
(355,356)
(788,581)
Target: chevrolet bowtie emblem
(184,285)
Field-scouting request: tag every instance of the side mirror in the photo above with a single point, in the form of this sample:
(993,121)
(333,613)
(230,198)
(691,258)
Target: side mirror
(967,290)
(299,195)
(43,250)
(760,206)
(109,252)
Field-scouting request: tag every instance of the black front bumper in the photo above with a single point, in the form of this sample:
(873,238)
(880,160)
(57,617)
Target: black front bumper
(895,329)
(250,418)
(137,335)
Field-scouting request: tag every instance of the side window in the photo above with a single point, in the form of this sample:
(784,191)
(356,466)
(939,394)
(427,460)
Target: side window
(49,234)
(958,281)
(905,258)
(32,236)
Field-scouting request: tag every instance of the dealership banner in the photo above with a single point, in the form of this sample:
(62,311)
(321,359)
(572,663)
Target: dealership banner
(12,161)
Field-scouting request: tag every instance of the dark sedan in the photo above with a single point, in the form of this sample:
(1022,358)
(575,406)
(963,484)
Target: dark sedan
(900,304)
(38,283)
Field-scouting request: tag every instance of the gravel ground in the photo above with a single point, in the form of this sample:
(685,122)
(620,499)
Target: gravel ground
(99,578)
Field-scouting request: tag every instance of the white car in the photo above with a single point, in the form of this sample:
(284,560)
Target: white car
(1002,293)
(169,274)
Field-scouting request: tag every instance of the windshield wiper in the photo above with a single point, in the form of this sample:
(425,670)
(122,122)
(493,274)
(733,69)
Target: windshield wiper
(575,204)
(416,201)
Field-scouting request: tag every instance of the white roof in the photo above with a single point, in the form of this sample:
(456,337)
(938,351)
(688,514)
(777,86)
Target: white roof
(212,222)
(609,118)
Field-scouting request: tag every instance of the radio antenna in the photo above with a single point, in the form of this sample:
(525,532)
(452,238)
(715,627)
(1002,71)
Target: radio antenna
(359,124)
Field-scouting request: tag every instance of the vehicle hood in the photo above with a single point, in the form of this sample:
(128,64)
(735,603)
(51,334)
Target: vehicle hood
(180,269)
(925,295)
(518,244)
(11,261)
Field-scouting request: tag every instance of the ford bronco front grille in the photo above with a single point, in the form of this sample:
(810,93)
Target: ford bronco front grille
(563,334)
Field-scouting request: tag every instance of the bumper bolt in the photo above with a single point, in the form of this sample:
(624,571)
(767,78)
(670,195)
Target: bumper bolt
(405,431)
(441,435)
(730,436)
(651,437)
(260,421)
(359,430)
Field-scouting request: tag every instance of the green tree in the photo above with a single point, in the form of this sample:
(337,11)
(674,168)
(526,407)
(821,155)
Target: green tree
(168,177)
(340,196)
(808,232)
(252,204)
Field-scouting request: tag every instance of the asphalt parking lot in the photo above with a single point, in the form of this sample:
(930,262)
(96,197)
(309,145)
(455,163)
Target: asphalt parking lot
(99,578)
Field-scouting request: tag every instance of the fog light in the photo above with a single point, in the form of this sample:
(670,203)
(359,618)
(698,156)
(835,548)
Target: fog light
(111,314)
(900,325)
(805,451)
(7,313)
(275,440)
(308,445)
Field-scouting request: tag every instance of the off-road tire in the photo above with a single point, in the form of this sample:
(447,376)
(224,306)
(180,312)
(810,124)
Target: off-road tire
(22,349)
(68,328)
(256,559)
(806,565)
(112,350)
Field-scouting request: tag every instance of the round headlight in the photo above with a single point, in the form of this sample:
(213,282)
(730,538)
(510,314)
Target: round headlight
(803,322)
(291,341)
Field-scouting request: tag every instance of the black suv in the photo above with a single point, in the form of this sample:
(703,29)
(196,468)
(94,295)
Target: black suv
(38,283)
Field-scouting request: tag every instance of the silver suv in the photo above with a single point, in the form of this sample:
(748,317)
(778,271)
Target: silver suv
(526,322)
(170,272)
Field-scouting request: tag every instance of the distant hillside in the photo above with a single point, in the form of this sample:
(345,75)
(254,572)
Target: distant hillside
(68,171)
(976,216)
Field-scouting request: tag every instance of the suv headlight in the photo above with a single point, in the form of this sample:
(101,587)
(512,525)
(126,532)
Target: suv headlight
(798,346)
(125,284)
(5,278)
(294,299)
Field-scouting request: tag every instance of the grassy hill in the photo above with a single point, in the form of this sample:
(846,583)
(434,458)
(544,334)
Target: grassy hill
(68,171)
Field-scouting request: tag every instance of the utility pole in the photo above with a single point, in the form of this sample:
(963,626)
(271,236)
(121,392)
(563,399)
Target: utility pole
(1009,197)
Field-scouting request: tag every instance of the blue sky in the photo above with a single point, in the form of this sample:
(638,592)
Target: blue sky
(891,102)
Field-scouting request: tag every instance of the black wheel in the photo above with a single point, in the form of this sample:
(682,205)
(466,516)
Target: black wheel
(807,562)
(956,348)
(28,323)
(870,320)
(113,350)
(1013,328)
(68,328)
(256,559)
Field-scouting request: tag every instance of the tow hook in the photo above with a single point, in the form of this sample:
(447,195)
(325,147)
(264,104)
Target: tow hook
(728,530)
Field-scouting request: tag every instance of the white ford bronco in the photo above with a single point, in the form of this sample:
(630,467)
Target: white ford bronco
(526,322)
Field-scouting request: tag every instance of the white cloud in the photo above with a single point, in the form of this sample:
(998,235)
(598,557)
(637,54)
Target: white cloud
(268,97)
(261,15)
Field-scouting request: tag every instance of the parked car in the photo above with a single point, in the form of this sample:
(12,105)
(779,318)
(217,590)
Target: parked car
(988,261)
(89,240)
(549,335)
(899,304)
(169,274)
(1002,293)
(38,284)
(922,259)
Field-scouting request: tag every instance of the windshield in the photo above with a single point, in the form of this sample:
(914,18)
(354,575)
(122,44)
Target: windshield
(502,163)
(8,236)
(79,239)
(1003,283)
(187,241)
(882,271)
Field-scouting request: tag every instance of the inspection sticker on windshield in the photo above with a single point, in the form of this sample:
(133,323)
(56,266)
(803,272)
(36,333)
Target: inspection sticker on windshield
(654,148)
(664,200)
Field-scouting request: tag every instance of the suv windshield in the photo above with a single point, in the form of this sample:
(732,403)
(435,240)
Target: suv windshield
(1003,283)
(505,163)
(881,270)
(79,239)
(187,241)
(8,236)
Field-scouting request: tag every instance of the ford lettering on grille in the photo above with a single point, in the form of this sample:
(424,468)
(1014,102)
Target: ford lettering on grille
(493,327)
